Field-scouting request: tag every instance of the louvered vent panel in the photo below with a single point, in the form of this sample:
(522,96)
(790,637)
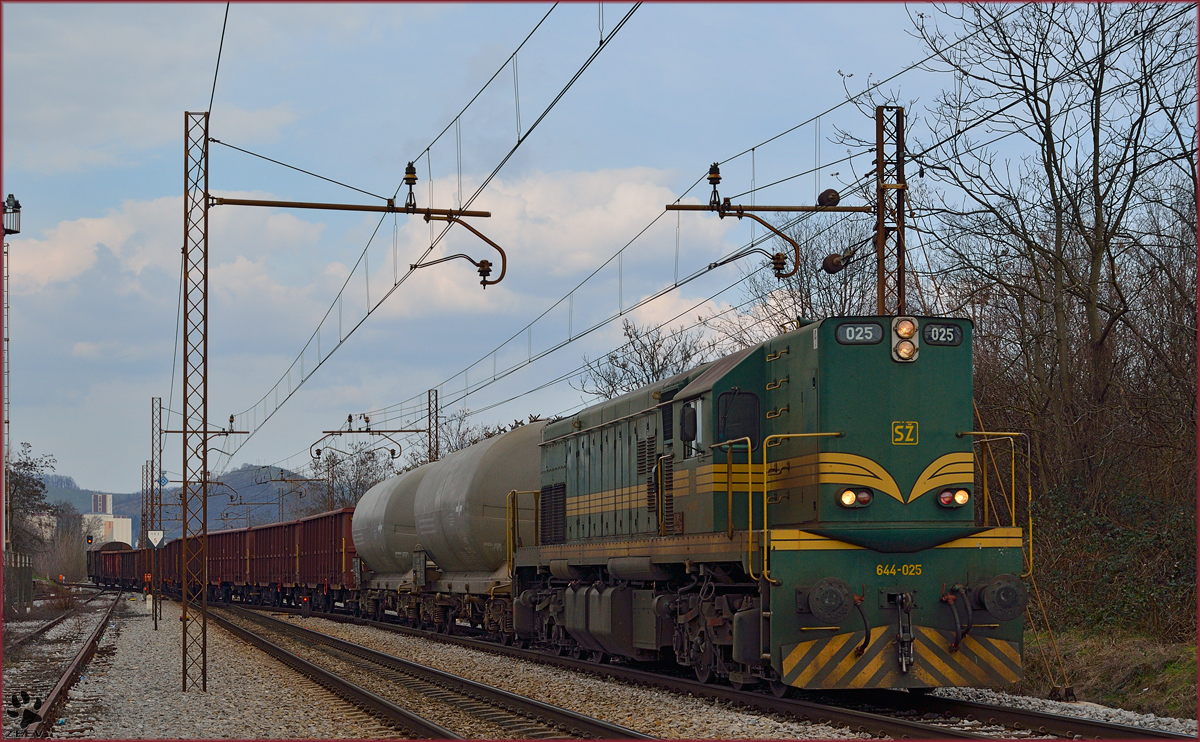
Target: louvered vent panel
(554,514)
(668,480)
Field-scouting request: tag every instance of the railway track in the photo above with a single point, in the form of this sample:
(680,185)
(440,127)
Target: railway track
(463,708)
(50,662)
(872,712)
(13,644)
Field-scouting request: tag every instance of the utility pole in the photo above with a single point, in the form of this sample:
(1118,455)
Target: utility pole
(143,522)
(12,225)
(156,485)
(194,493)
(890,188)
(435,444)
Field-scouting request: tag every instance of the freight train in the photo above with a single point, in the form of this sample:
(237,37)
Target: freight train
(797,515)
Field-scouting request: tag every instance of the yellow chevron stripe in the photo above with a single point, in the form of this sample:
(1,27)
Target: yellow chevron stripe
(945,471)
(1008,649)
(937,662)
(861,675)
(987,654)
(831,648)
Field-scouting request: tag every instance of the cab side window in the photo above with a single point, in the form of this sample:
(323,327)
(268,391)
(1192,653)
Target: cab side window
(737,416)
(691,428)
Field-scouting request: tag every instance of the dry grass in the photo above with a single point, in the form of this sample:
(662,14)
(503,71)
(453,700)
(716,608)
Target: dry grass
(1125,671)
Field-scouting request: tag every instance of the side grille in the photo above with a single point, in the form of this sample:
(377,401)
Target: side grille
(554,514)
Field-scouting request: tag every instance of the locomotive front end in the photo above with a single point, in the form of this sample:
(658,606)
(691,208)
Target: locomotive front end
(878,575)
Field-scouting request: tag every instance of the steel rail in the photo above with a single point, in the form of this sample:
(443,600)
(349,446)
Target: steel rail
(12,645)
(860,721)
(1036,721)
(59,693)
(422,727)
(578,723)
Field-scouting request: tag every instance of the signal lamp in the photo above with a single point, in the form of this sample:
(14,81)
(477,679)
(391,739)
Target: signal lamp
(864,497)
(906,328)
(953,498)
(849,498)
(906,350)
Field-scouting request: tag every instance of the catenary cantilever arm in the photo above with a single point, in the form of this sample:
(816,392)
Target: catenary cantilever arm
(484,266)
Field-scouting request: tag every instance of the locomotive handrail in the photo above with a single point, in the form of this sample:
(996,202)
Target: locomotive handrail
(729,478)
(766,571)
(1028,482)
(512,513)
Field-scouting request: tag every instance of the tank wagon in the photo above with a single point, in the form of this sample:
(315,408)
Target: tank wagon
(800,514)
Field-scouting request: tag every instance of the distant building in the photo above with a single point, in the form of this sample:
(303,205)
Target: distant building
(103,525)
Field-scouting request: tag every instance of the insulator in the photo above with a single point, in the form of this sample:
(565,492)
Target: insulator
(828,197)
(485,269)
(832,263)
(714,174)
(410,175)
(778,262)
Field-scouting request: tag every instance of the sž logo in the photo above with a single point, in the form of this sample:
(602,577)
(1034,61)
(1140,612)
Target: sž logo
(26,708)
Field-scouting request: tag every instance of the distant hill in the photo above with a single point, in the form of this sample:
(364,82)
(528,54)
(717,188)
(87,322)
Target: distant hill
(227,502)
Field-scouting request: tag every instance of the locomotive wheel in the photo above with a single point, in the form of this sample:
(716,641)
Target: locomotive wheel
(577,652)
(598,657)
(782,690)
(704,673)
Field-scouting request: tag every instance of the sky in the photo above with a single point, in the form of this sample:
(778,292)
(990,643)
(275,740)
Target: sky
(94,97)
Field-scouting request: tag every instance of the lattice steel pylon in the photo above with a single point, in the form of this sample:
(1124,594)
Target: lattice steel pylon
(890,191)
(144,523)
(435,443)
(156,468)
(194,495)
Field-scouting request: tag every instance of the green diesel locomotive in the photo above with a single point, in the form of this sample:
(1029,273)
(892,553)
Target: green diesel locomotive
(800,513)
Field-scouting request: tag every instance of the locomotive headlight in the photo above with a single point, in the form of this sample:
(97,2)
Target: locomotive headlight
(953,498)
(906,328)
(849,498)
(905,349)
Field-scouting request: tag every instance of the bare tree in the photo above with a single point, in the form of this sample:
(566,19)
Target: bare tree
(1100,100)
(23,478)
(65,553)
(346,476)
(649,354)
(772,305)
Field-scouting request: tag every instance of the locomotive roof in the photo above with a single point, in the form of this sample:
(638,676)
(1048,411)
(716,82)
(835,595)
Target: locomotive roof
(713,372)
(111,546)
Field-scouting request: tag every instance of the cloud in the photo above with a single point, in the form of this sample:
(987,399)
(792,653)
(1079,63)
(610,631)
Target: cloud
(145,234)
(556,228)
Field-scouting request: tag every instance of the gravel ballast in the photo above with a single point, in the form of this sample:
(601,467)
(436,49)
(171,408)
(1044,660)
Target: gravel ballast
(132,690)
(647,710)
(1078,710)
